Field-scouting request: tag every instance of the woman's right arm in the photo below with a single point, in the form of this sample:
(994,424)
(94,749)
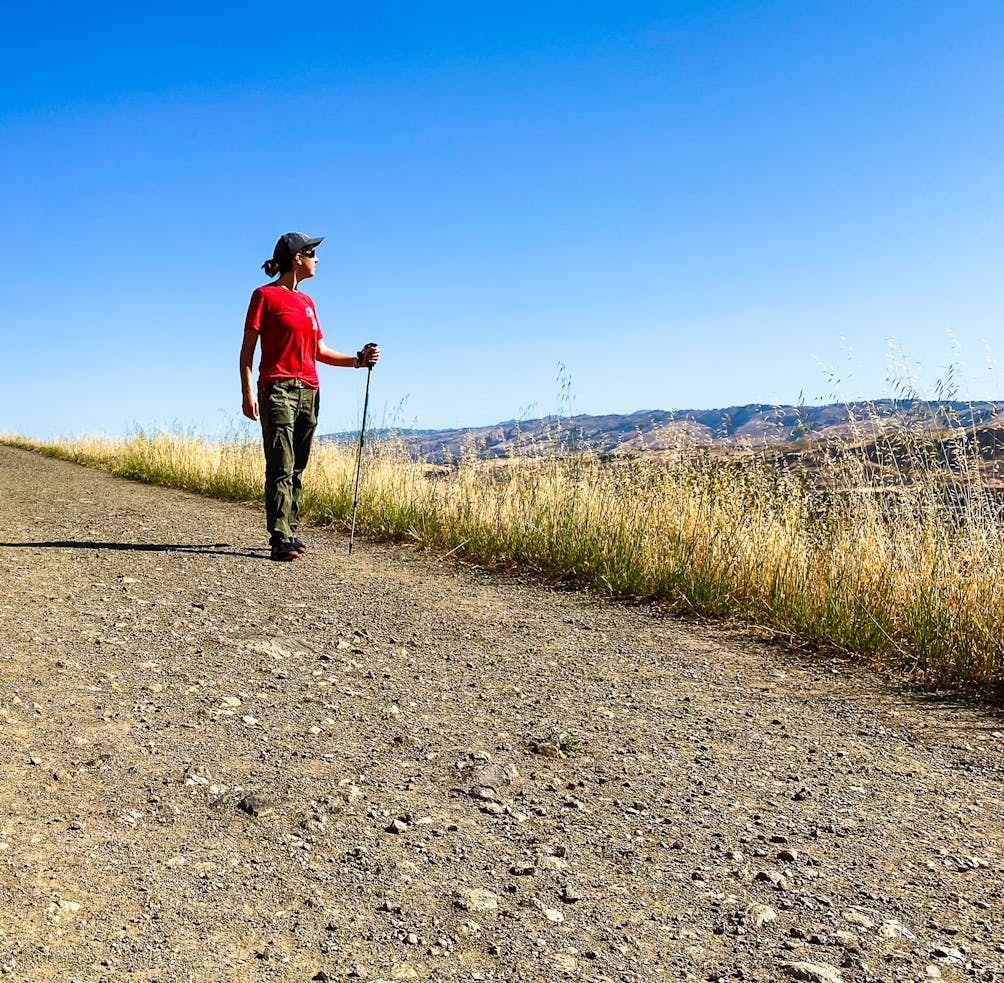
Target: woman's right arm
(249,400)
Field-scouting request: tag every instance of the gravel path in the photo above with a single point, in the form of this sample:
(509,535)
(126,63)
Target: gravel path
(387,767)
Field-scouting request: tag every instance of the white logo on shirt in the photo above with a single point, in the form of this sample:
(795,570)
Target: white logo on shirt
(309,311)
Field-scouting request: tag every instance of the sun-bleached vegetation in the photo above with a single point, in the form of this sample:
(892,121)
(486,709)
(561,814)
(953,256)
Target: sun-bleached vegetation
(889,547)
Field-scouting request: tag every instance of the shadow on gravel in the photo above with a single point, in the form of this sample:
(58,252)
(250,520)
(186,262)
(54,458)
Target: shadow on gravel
(217,549)
(992,700)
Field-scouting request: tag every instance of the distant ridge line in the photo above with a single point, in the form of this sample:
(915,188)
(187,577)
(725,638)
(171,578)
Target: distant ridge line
(758,424)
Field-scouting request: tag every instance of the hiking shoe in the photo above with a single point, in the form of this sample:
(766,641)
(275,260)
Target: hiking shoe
(301,546)
(284,550)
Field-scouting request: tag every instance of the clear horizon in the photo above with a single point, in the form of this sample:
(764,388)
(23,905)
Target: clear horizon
(556,208)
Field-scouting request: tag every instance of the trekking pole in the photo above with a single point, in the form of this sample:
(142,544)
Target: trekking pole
(362,437)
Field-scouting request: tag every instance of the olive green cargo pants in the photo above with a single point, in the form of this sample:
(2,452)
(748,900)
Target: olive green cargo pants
(288,411)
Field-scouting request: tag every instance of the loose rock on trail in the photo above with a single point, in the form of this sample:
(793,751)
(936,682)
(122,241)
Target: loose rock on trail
(388,767)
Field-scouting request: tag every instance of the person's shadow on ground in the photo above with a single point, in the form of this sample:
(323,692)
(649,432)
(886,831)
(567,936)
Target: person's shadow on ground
(209,549)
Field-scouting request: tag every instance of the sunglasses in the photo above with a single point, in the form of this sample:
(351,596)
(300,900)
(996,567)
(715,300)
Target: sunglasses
(309,253)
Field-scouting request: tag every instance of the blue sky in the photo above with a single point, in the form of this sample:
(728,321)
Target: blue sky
(687,205)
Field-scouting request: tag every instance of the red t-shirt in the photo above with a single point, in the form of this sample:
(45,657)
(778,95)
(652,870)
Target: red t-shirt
(289,332)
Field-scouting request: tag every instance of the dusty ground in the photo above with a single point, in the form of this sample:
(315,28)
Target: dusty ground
(214,767)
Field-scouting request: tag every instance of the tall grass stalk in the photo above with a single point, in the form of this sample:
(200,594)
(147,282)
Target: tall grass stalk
(912,578)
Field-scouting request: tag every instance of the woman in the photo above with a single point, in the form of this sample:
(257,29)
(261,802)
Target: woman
(283,317)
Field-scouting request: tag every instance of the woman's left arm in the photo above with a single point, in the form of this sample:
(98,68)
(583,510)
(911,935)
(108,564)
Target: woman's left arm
(330,357)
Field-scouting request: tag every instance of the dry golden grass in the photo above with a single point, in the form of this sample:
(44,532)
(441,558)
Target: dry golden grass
(913,579)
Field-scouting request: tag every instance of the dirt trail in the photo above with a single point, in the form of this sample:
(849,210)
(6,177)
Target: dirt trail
(214,767)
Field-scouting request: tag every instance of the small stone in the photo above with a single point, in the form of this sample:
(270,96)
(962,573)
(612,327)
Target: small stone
(940,952)
(554,916)
(853,916)
(250,721)
(761,914)
(554,864)
(788,855)
(255,806)
(932,972)
(397,826)
(546,749)
(522,869)
(496,777)
(350,792)
(774,878)
(564,963)
(476,899)
(198,775)
(812,972)
(892,929)
(570,893)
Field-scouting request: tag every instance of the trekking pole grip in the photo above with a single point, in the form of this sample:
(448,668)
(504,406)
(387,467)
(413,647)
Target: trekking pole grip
(360,355)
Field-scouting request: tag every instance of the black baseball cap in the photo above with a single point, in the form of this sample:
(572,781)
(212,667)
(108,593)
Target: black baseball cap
(292,243)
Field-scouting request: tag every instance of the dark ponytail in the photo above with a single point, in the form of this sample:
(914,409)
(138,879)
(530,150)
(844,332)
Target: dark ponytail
(271,267)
